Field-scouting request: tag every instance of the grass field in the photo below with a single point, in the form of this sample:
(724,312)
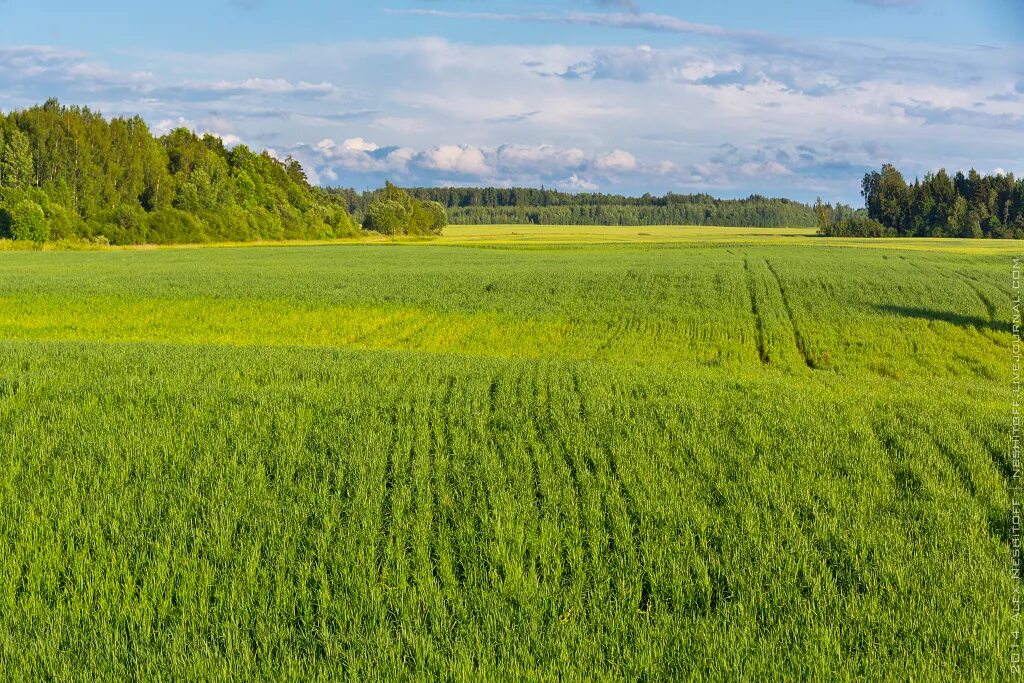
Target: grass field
(512,453)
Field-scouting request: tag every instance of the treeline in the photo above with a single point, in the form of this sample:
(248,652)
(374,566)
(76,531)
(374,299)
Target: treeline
(69,173)
(962,205)
(476,206)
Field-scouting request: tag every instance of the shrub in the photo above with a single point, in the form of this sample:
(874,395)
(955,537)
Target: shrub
(28,222)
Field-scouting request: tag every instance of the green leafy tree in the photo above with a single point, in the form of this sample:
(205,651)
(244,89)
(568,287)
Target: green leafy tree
(893,199)
(16,165)
(436,217)
(395,212)
(28,222)
(959,218)
(388,217)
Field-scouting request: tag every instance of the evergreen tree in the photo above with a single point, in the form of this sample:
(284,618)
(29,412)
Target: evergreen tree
(965,205)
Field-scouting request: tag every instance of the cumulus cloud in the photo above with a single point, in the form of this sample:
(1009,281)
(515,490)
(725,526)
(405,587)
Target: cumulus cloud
(616,161)
(539,158)
(461,159)
(575,183)
(504,165)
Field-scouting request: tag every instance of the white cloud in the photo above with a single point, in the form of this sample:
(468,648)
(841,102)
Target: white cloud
(359,145)
(616,161)
(539,158)
(464,159)
(265,86)
(575,183)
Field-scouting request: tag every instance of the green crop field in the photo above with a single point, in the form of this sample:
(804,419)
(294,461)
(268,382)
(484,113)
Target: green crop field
(511,453)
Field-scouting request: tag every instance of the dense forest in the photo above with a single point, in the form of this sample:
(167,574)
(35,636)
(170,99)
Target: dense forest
(477,206)
(940,205)
(70,173)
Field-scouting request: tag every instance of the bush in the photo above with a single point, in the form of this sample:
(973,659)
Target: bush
(124,225)
(173,226)
(28,222)
(64,223)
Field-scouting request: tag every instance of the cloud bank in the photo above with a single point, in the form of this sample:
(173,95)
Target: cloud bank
(740,112)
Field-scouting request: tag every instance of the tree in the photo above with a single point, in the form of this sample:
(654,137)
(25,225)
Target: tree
(388,217)
(893,200)
(959,218)
(395,212)
(823,212)
(28,222)
(437,217)
(16,166)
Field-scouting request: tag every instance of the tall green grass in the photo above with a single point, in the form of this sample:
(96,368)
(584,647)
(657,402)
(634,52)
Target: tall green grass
(429,462)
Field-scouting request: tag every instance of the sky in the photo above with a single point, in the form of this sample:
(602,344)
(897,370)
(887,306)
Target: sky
(731,97)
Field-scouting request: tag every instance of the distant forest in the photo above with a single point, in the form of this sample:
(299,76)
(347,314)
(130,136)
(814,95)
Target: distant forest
(940,205)
(481,206)
(69,173)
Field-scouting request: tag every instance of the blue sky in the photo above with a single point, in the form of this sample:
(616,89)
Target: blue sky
(796,98)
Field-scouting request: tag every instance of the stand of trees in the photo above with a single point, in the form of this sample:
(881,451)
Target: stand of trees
(940,205)
(394,212)
(476,206)
(69,173)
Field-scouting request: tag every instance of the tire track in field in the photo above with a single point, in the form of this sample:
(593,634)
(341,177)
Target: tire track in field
(527,441)
(615,332)
(534,433)
(438,441)
(758,321)
(543,435)
(531,440)
(998,523)
(387,500)
(990,306)
(960,468)
(997,453)
(372,332)
(493,409)
(463,496)
(797,335)
(601,556)
(588,458)
(634,518)
(557,436)
(412,332)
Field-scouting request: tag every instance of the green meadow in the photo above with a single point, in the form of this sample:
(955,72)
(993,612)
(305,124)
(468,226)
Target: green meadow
(510,453)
